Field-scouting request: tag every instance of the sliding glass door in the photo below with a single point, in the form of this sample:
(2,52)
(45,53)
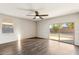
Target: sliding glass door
(62,32)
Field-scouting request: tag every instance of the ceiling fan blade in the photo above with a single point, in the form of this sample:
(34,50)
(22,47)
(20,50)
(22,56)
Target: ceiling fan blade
(41,17)
(44,15)
(34,17)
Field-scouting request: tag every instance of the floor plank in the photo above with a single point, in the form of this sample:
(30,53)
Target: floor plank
(38,47)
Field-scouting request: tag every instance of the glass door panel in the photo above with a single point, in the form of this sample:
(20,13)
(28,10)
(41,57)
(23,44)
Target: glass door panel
(67,33)
(54,32)
(62,32)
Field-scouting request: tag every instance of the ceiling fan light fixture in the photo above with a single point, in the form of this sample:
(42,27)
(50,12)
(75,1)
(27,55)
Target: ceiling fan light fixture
(37,17)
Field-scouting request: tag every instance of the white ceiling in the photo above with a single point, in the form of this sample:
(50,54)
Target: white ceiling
(52,9)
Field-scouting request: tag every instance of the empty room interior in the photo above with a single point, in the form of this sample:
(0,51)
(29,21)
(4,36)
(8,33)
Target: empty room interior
(39,29)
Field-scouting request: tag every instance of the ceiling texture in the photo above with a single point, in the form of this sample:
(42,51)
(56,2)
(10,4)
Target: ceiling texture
(52,9)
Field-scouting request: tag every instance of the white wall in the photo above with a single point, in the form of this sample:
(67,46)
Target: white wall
(27,29)
(43,26)
(24,28)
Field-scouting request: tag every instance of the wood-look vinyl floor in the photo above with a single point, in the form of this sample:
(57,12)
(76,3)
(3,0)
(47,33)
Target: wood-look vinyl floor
(38,47)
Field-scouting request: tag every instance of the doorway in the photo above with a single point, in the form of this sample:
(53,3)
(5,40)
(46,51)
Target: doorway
(63,32)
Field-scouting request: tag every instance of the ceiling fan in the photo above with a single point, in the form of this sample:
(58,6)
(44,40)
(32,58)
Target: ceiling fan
(36,13)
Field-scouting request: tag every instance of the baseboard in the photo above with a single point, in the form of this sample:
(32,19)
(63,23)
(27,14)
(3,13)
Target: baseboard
(35,38)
